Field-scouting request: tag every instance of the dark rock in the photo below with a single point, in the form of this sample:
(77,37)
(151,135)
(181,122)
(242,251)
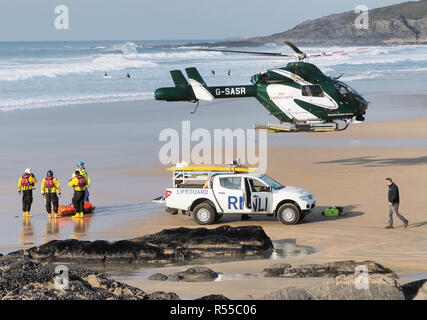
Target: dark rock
(158,277)
(124,251)
(422,293)
(289,293)
(411,289)
(26,279)
(331,269)
(224,240)
(196,274)
(167,246)
(160,295)
(213,297)
(381,287)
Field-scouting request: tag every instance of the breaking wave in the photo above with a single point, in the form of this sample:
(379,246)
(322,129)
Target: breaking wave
(63,67)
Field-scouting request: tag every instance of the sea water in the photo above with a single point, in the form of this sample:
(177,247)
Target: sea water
(50,74)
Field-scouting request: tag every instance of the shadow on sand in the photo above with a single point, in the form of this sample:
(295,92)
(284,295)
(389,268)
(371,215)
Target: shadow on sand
(370,161)
(315,216)
(136,207)
(417,225)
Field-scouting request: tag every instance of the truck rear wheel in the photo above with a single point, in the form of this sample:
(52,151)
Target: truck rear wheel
(288,213)
(204,214)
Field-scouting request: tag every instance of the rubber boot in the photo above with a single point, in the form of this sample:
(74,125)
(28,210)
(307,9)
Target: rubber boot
(77,215)
(55,215)
(29,214)
(49,215)
(81,214)
(24,214)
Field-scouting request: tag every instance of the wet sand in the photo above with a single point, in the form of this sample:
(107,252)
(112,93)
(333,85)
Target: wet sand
(121,151)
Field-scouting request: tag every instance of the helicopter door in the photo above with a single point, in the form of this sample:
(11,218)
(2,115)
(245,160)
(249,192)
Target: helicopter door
(260,195)
(314,94)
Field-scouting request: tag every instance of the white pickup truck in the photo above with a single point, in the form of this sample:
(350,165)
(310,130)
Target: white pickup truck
(207,195)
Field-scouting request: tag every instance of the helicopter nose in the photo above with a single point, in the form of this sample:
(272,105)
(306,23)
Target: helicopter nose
(362,103)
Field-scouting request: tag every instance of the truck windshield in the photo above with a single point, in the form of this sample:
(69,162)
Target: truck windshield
(274,184)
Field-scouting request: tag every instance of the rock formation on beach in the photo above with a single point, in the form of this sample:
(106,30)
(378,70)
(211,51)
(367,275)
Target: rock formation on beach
(26,279)
(331,269)
(416,290)
(167,246)
(158,277)
(29,274)
(195,274)
(381,282)
(403,23)
(213,297)
(381,287)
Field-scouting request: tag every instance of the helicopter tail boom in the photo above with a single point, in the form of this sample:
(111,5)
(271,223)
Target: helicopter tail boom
(196,89)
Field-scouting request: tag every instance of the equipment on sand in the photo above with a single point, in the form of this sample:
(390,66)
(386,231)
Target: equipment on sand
(64,211)
(333,211)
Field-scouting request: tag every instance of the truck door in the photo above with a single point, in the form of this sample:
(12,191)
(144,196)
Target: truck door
(260,195)
(229,194)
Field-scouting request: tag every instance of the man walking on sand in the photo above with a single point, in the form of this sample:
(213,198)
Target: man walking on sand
(393,204)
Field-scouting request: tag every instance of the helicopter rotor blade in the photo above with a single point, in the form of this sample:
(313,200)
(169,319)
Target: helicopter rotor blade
(294,47)
(272,54)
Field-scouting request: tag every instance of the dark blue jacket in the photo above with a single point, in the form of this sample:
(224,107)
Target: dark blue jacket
(393,194)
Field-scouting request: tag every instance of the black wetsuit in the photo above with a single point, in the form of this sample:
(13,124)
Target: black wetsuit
(27,200)
(79,201)
(51,199)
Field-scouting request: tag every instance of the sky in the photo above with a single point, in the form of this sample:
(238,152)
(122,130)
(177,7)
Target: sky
(34,20)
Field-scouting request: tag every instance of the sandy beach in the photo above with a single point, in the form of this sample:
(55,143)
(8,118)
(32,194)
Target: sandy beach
(342,176)
(120,147)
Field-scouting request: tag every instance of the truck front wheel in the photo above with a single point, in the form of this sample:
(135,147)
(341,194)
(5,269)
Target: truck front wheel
(288,213)
(204,214)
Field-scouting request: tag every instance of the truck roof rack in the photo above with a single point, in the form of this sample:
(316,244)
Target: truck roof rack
(214,169)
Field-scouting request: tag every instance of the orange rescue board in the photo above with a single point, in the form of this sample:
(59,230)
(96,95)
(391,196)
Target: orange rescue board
(64,211)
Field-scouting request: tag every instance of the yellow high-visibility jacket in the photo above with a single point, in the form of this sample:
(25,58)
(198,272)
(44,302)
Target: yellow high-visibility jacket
(54,189)
(83,172)
(31,179)
(74,183)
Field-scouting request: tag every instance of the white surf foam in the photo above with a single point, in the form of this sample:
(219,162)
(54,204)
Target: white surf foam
(62,67)
(45,102)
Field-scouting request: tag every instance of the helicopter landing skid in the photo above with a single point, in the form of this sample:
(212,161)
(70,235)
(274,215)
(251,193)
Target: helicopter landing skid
(318,127)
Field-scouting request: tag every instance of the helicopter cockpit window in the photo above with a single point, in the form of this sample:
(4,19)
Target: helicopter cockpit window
(312,91)
(343,92)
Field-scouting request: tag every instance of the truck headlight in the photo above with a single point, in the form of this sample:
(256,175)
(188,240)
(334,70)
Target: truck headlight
(307,197)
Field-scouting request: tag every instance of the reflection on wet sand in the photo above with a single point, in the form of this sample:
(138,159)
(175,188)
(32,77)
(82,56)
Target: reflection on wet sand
(27,235)
(52,227)
(19,232)
(81,227)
